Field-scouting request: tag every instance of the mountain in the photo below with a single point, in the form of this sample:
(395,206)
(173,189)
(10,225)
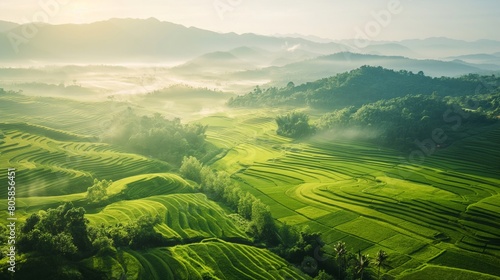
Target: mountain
(264,58)
(6,26)
(389,49)
(213,63)
(491,60)
(330,65)
(141,40)
(306,37)
(439,47)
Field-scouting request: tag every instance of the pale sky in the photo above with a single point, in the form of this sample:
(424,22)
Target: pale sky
(333,19)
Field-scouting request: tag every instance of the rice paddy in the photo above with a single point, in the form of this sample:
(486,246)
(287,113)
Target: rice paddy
(440,217)
(371,197)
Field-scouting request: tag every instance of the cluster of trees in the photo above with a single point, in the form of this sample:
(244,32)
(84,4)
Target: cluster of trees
(399,121)
(354,265)
(156,136)
(137,234)
(65,231)
(365,85)
(58,239)
(305,249)
(487,104)
(219,187)
(61,231)
(98,192)
(294,124)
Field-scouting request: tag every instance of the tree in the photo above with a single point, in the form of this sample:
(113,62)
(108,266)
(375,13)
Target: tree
(380,259)
(341,252)
(262,220)
(362,262)
(142,232)
(322,275)
(98,191)
(104,246)
(245,205)
(294,124)
(191,169)
(57,231)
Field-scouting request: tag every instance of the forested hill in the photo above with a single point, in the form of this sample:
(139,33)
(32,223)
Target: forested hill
(365,85)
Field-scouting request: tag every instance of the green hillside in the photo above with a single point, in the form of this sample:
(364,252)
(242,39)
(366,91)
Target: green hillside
(361,86)
(56,167)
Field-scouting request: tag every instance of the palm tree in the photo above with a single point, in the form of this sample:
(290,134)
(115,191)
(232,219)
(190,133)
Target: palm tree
(380,259)
(362,262)
(341,251)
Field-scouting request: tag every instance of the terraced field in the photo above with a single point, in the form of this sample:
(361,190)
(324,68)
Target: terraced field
(216,258)
(440,217)
(53,144)
(184,216)
(372,198)
(53,167)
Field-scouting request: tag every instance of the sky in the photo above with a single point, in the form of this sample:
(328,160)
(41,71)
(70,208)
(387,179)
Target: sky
(391,20)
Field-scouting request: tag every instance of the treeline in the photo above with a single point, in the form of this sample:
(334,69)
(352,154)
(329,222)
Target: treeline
(362,86)
(398,122)
(156,136)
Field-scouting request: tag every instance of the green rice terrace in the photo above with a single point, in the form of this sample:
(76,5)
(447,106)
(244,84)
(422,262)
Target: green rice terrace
(91,207)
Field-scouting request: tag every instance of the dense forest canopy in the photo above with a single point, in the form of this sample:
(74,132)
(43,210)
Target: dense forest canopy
(364,85)
(400,122)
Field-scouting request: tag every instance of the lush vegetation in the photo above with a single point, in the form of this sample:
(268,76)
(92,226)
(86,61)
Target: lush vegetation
(219,187)
(332,195)
(155,136)
(406,121)
(294,124)
(364,85)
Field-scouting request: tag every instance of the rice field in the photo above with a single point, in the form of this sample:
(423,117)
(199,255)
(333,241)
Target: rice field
(372,197)
(51,167)
(183,216)
(437,220)
(215,258)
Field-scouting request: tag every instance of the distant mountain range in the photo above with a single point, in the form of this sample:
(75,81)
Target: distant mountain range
(151,40)
(136,40)
(329,65)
